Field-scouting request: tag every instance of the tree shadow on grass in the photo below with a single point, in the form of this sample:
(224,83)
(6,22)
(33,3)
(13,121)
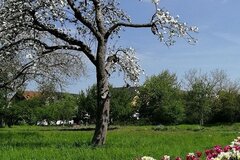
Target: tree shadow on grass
(24,134)
(38,140)
(85,129)
(21,139)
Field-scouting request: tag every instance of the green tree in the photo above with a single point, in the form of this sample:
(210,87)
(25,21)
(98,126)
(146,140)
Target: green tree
(63,109)
(121,104)
(226,107)
(26,111)
(202,90)
(82,106)
(87,103)
(121,99)
(160,99)
(48,91)
(35,109)
(198,103)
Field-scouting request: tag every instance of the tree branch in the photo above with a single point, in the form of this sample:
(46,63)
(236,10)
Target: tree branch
(82,19)
(41,27)
(111,29)
(47,47)
(25,67)
(19,73)
(99,16)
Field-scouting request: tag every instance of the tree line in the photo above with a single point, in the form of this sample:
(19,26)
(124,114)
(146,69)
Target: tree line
(200,98)
(47,105)
(50,105)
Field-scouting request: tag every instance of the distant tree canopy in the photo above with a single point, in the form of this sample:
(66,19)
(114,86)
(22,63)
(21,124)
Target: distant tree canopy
(50,107)
(199,103)
(204,91)
(199,98)
(121,104)
(160,99)
(121,108)
(226,107)
(87,103)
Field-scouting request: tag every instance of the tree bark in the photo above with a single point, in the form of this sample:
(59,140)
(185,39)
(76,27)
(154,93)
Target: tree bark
(103,99)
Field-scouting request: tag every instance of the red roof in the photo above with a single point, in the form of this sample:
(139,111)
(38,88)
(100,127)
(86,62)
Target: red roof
(30,94)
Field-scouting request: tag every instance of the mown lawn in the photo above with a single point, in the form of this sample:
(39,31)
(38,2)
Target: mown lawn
(124,143)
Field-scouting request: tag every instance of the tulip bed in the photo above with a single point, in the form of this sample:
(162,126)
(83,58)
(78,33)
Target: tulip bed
(229,152)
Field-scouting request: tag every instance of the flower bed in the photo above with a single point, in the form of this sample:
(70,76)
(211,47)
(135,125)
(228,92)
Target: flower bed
(229,152)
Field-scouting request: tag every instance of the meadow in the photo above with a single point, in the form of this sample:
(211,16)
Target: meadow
(123,142)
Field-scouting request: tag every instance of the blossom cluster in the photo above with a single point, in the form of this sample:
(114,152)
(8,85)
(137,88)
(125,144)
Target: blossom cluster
(128,63)
(167,27)
(229,152)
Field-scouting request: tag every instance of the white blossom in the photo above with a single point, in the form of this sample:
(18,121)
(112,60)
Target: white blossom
(129,64)
(147,158)
(166,157)
(168,27)
(29,56)
(156,1)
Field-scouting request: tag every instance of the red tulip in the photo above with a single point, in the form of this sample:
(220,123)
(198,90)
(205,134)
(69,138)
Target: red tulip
(178,158)
(208,151)
(198,153)
(227,148)
(214,155)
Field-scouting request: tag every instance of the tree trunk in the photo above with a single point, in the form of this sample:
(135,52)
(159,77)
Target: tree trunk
(1,122)
(103,99)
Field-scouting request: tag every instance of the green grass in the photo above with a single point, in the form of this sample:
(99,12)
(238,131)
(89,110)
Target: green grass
(124,143)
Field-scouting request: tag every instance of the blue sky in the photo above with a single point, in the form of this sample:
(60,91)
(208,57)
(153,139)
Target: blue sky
(218,44)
